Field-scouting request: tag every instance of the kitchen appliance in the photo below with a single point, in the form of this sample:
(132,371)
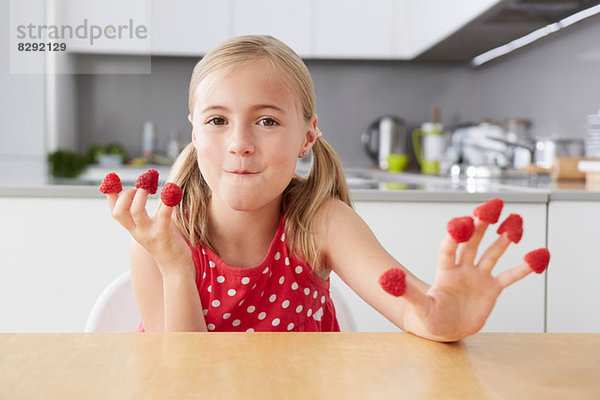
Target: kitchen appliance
(385,142)
(429,144)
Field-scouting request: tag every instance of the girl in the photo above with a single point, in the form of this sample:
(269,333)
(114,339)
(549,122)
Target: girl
(252,244)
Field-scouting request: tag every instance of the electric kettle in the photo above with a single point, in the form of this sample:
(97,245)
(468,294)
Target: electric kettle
(385,141)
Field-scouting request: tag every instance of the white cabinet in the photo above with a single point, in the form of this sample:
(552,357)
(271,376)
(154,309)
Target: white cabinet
(428,22)
(353,29)
(189,28)
(57,255)
(412,233)
(53,274)
(110,26)
(289,21)
(328,29)
(574,270)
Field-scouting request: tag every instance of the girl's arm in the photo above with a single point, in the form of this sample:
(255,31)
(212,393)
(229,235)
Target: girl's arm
(171,304)
(458,302)
(358,258)
(160,247)
(183,310)
(146,281)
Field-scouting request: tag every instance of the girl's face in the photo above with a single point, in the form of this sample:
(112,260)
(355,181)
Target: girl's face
(248,131)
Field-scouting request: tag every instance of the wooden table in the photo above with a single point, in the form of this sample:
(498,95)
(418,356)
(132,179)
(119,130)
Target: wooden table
(298,366)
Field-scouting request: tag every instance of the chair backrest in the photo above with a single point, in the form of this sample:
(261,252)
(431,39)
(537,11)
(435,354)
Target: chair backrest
(342,311)
(115,309)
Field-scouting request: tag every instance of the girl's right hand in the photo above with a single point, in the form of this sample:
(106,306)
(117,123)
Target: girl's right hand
(157,234)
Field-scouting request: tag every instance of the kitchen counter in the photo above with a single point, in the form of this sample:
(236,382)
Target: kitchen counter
(365,185)
(271,365)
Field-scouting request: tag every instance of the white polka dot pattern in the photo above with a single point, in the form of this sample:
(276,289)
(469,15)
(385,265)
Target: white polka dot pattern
(264,297)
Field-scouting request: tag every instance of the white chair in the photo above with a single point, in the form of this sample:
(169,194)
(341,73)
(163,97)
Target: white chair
(342,311)
(115,309)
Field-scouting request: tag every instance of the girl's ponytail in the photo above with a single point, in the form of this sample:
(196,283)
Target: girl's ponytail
(304,196)
(191,213)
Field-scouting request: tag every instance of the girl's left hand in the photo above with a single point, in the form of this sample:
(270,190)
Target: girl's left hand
(463,293)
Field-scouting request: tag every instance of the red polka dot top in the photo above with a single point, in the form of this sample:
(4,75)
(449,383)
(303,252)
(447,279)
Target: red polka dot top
(280,294)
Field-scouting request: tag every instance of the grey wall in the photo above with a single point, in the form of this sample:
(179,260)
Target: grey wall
(22,101)
(554,82)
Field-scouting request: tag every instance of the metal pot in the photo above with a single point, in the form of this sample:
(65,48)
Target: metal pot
(383,137)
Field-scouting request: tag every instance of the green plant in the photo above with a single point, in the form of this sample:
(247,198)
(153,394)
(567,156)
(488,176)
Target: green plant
(96,150)
(66,163)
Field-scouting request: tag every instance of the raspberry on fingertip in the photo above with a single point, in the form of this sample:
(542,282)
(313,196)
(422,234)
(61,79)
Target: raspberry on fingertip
(393,281)
(538,259)
(111,184)
(513,226)
(171,194)
(148,181)
(461,229)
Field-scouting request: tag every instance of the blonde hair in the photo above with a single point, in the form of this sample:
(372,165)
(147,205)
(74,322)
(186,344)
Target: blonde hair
(303,196)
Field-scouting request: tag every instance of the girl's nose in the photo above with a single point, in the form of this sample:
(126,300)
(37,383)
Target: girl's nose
(241,141)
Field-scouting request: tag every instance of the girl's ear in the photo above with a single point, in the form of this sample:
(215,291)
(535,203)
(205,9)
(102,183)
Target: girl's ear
(311,134)
(190,117)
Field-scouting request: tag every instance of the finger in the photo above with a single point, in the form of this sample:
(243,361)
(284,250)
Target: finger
(468,251)
(164,216)
(447,254)
(138,209)
(421,303)
(121,211)
(397,283)
(514,274)
(494,252)
(112,200)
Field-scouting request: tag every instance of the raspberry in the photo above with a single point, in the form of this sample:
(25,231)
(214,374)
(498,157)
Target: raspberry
(513,225)
(171,194)
(489,211)
(111,184)
(461,229)
(538,259)
(393,281)
(148,180)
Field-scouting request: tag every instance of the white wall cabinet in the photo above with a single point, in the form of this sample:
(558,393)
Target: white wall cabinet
(327,29)
(110,26)
(412,233)
(289,21)
(189,28)
(353,29)
(574,270)
(428,22)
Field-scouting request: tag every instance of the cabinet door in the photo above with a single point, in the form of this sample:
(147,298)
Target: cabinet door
(574,270)
(110,26)
(79,250)
(428,22)
(288,21)
(353,29)
(412,233)
(189,27)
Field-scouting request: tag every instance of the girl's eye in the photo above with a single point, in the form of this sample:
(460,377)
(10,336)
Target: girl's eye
(269,122)
(216,121)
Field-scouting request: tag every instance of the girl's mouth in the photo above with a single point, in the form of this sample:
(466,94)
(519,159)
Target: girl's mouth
(242,172)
